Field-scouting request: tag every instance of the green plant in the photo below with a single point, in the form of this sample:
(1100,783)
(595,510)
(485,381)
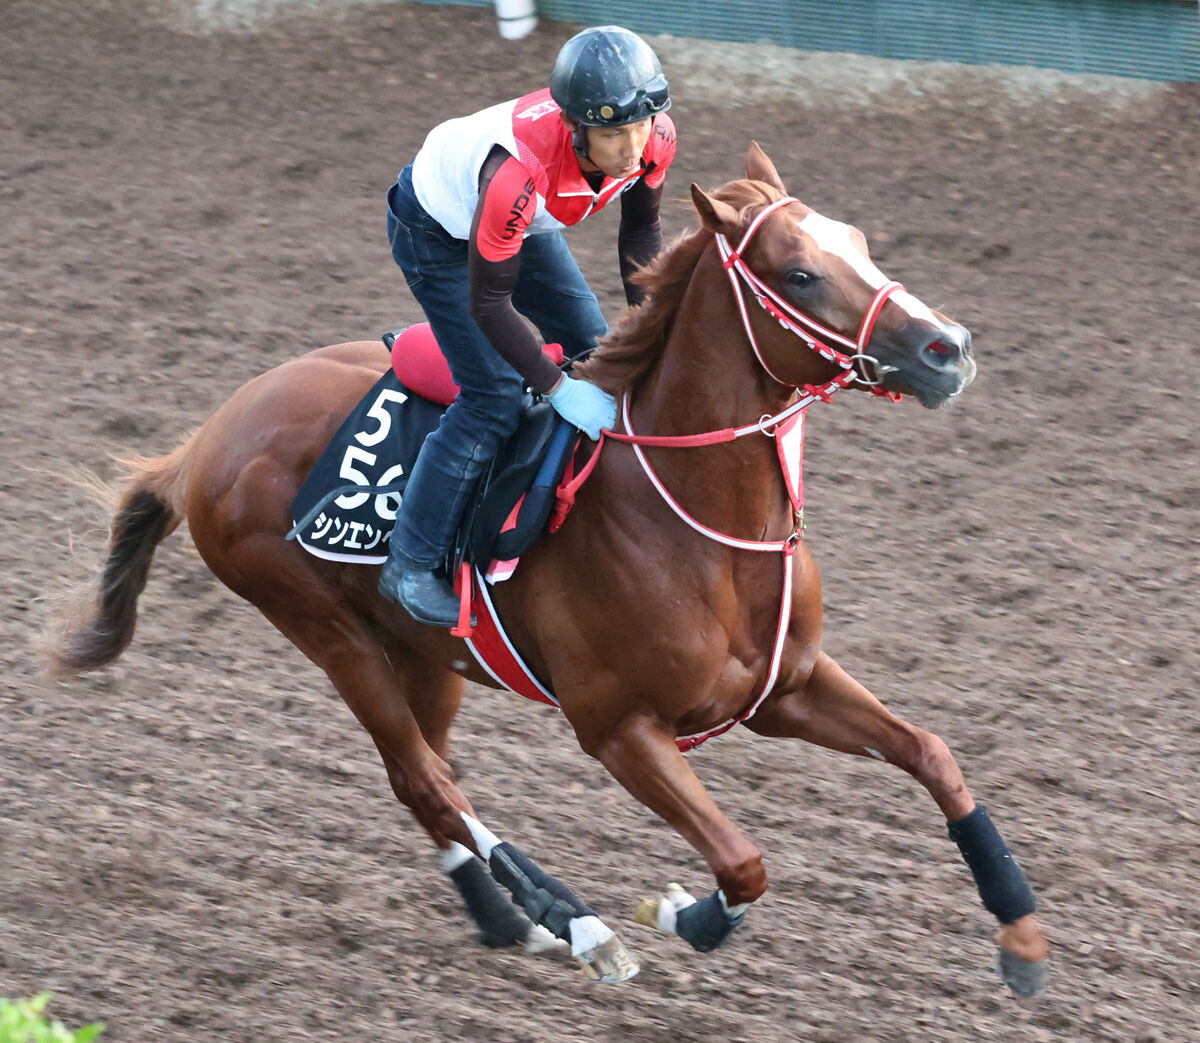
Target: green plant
(23,1021)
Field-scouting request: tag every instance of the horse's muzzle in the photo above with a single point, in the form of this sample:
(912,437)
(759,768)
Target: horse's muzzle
(935,369)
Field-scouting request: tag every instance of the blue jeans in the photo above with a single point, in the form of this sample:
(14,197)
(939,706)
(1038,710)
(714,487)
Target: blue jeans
(551,292)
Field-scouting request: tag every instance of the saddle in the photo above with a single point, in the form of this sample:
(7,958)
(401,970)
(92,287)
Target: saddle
(347,505)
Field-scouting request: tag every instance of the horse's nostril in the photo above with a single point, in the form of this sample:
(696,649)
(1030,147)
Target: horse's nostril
(941,354)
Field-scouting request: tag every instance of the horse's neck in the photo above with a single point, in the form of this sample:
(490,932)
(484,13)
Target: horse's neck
(709,379)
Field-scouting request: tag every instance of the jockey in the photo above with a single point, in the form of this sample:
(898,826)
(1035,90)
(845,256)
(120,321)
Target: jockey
(474,223)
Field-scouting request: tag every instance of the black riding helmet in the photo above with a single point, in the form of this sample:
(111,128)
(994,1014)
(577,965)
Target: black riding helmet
(607,76)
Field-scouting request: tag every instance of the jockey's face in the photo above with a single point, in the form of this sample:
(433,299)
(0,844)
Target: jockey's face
(616,150)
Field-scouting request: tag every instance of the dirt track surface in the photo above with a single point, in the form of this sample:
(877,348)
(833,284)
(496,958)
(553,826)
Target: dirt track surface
(198,842)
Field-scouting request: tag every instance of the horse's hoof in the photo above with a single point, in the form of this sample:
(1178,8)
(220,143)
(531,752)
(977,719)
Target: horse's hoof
(659,913)
(646,912)
(1026,978)
(608,963)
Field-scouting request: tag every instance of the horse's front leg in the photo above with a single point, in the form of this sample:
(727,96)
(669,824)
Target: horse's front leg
(641,754)
(833,710)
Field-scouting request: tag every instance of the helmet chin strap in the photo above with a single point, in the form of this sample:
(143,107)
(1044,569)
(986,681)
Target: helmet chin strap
(579,141)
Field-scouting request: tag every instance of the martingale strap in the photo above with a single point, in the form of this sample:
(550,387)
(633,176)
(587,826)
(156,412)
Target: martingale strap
(786,547)
(700,527)
(690,742)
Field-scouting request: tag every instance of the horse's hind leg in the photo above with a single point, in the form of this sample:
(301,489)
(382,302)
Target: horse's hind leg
(396,699)
(554,915)
(407,708)
(553,907)
(833,710)
(434,695)
(499,922)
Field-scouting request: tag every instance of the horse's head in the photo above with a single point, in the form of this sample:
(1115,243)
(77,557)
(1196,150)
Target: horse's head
(816,277)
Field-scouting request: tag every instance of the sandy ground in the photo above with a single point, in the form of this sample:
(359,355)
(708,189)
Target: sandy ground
(198,843)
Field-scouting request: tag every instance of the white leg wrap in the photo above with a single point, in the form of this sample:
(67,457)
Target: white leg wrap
(732,911)
(454,856)
(540,940)
(484,838)
(669,906)
(586,933)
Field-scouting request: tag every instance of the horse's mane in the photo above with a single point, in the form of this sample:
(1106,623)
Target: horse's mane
(632,349)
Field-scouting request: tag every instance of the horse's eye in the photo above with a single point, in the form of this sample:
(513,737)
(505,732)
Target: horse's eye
(798,279)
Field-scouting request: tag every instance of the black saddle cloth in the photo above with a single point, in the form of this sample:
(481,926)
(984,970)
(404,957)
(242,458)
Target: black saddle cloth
(347,505)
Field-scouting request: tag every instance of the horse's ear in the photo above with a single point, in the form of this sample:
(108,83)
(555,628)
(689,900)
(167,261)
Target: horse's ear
(716,215)
(760,168)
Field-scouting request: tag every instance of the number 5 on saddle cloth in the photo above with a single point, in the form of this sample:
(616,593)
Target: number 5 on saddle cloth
(347,506)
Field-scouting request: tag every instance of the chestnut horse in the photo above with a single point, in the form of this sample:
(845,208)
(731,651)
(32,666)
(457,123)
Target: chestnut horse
(677,599)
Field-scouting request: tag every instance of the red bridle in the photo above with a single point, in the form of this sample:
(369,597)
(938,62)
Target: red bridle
(813,333)
(818,337)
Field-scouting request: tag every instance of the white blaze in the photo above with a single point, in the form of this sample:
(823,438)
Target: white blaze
(835,237)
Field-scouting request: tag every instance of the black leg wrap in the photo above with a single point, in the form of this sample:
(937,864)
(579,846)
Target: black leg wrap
(1002,885)
(705,925)
(544,899)
(499,924)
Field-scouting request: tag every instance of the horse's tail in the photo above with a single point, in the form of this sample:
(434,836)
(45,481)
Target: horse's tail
(149,506)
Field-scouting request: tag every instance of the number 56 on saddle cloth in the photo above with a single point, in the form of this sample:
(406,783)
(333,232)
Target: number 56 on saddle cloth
(346,508)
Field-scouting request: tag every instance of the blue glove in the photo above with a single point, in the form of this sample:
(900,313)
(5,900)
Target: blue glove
(584,405)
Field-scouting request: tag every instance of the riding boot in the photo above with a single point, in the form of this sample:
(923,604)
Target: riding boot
(425,593)
(431,508)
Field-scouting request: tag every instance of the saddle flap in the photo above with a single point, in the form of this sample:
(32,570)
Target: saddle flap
(518,493)
(347,505)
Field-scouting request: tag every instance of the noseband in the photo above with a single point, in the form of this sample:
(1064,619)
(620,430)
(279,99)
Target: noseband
(818,337)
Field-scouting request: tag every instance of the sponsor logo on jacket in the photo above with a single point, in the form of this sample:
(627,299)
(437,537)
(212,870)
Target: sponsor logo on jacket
(516,215)
(536,112)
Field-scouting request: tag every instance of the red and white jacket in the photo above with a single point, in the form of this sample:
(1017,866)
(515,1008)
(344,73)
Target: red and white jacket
(446,169)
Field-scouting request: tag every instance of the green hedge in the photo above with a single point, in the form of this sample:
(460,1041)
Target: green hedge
(25,1021)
